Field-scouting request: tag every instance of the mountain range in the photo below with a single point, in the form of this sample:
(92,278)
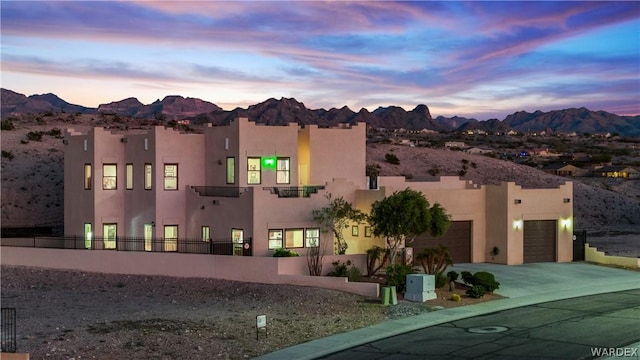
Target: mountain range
(287,110)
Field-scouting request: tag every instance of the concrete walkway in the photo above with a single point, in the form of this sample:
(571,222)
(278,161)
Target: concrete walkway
(523,285)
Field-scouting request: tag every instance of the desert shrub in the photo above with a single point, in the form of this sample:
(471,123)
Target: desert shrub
(354,274)
(464,161)
(55,132)
(455,297)
(486,280)
(467,277)
(452,275)
(441,280)
(7,154)
(35,135)
(7,125)
(476,291)
(397,276)
(482,278)
(24,141)
(474,165)
(345,269)
(391,159)
(433,171)
(377,257)
(284,253)
(462,172)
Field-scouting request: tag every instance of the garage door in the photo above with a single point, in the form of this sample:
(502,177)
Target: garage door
(540,241)
(457,240)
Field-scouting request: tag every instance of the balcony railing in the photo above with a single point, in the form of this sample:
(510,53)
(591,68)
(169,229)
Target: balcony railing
(220,191)
(294,191)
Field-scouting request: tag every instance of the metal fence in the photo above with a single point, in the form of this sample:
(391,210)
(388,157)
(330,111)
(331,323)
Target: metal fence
(8,330)
(122,243)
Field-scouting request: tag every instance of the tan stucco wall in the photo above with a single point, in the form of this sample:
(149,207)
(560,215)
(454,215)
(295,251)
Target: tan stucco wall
(593,255)
(267,270)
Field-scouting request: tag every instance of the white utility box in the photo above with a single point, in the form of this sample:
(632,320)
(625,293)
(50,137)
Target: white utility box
(420,287)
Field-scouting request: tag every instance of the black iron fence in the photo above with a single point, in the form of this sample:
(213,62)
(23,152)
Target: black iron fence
(294,191)
(8,330)
(220,191)
(122,243)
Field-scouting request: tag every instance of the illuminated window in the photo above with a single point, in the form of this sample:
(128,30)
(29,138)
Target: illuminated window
(171,238)
(282,171)
(109,233)
(129,179)
(312,238)
(147,176)
(231,170)
(253,170)
(368,232)
(275,239)
(294,238)
(87,176)
(109,178)
(88,234)
(206,233)
(355,230)
(171,176)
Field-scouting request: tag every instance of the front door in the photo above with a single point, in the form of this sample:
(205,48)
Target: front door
(148,235)
(237,238)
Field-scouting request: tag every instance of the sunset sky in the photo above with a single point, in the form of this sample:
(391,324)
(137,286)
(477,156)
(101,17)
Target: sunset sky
(474,59)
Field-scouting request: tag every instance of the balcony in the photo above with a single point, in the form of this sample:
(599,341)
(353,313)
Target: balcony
(294,191)
(220,191)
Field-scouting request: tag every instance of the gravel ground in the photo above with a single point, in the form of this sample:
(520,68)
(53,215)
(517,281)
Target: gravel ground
(76,315)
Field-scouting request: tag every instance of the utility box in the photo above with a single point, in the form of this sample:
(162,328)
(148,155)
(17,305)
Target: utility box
(420,288)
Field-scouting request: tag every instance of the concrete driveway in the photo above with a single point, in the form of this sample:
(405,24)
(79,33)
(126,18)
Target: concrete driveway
(523,285)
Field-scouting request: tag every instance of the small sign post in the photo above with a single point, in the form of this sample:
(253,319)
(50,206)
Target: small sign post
(261,324)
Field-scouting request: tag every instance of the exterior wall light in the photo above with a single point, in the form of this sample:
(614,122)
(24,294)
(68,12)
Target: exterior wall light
(566,223)
(517,224)
(517,201)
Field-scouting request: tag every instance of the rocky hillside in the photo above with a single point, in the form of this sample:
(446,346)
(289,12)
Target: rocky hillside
(286,110)
(32,176)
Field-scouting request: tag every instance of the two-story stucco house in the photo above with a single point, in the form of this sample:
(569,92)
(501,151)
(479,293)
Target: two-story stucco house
(249,181)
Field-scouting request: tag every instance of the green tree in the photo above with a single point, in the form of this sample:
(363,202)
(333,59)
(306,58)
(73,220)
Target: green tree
(403,215)
(336,217)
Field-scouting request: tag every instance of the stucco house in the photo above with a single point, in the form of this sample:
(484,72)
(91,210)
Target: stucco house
(256,186)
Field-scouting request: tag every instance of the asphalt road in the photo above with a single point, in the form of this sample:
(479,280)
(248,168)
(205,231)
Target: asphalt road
(565,329)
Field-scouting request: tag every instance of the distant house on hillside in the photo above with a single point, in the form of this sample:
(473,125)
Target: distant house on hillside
(617,171)
(455,144)
(561,169)
(477,150)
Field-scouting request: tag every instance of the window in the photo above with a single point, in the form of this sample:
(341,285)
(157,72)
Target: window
(355,230)
(294,238)
(206,233)
(171,176)
(253,170)
(147,176)
(109,233)
(87,176)
(312,238)
(231,170)
(282,171)
(129,184)
(109,178)
(88,234)
(275,239)
(368,232)
(171,238)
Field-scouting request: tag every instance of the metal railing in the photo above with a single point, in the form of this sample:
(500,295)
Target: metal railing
(123,243)
(220,191)
(294,191)
(8,330)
